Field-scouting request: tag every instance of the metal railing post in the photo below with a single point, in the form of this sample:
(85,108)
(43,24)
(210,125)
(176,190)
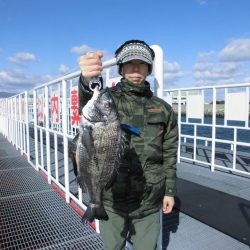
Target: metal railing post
(65,139)
(46,90)
(56,157)
(179,129)
(158,69)
(195,141)
(234,148)
(213,130)
(35,127)
(21,136)
(27,125)
(15,124)
(247,103)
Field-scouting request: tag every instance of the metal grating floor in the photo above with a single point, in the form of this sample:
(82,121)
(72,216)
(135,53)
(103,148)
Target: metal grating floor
(43,220)
(20,182)
(33,215)
(7,152)
(13,163)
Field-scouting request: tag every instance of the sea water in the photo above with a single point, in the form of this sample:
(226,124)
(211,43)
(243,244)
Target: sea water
(223,133)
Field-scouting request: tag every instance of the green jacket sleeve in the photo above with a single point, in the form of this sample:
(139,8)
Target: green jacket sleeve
(170,148)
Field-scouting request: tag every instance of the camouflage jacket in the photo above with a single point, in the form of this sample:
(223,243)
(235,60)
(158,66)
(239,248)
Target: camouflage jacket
(148,168)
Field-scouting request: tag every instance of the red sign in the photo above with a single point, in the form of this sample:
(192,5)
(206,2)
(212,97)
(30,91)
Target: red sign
(55,108)
(74,102)
(40,105)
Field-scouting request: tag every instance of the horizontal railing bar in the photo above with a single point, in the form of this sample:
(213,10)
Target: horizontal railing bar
(209,87)
(105,64)
(217,125)
(191,159)
(69,136)
(215,165)
(238,143)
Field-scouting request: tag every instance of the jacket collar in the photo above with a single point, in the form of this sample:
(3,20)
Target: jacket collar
(136,89)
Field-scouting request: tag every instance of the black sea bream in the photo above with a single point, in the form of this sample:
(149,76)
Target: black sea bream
(99,148)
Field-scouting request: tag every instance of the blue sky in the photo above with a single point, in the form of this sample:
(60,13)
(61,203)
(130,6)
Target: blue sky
(205,42)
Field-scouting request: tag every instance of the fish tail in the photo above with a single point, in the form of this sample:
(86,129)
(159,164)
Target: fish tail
(94,212)
(88,216)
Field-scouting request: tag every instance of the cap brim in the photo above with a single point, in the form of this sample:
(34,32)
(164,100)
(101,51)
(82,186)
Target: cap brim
(135,57)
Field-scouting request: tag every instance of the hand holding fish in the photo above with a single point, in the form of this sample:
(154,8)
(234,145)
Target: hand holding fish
(91,64)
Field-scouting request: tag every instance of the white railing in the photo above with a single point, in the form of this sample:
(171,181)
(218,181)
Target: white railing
(233,143)
(20,115)
(17,121)
(27,121)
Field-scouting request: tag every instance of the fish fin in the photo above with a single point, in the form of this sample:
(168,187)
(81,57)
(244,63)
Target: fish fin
(88,141)
(82,184)
(72,152)
(130,129)
(72,155)
(94,212)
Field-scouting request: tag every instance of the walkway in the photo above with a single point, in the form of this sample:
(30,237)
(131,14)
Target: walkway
(34,216)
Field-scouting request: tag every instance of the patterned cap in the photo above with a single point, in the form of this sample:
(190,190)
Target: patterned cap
(135,50)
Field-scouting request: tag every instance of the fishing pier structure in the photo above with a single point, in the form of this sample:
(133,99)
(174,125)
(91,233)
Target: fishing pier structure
(41,203)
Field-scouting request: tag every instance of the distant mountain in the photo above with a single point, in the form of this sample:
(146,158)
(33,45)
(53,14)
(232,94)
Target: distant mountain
(6,94)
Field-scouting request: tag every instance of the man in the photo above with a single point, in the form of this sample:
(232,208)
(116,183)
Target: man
(147,174)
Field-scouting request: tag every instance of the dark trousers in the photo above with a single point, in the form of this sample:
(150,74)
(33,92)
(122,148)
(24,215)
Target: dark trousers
(144,232)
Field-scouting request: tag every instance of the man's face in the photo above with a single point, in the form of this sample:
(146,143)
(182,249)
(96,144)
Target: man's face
(135,71)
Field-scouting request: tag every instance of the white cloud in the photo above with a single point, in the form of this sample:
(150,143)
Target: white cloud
(171,67)
(173,77)
(203,66)
(237,50)
(204,62)
(202,2)
(63,69)
(22,57)
(82,49)
(217,71)
(230,81)
(210,69)
(172,72)
(14,77)
(205,56)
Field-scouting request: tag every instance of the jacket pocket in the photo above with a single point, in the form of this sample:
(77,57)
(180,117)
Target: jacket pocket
(154,134)
(154,193)
(155,125)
